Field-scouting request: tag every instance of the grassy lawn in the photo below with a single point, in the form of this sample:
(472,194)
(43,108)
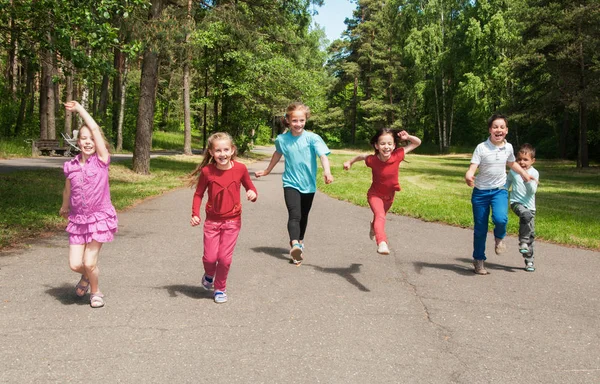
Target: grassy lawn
(433,189)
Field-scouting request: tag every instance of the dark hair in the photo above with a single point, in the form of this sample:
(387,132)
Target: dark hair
(385,131)
(495,117)
(291,108)
(527,149)
(208,158)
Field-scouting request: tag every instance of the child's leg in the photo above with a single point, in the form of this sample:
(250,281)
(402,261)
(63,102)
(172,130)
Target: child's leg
(90,263)
(229,235)
(306,200)
(76,258)
(480,202)
(499,204)
(212,239)
(379,207)
(525,222)
(293,202)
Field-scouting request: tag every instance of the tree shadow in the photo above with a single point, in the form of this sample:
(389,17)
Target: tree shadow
(66,295)
(465,267)
(191,291)
(346,273)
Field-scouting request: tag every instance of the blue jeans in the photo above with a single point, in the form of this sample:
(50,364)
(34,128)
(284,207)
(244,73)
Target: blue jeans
(482,201)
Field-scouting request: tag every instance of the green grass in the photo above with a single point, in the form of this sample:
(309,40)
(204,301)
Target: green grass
(433,189)
(14,147)
(173,141)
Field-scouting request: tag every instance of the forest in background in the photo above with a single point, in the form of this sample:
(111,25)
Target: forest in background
(437,68)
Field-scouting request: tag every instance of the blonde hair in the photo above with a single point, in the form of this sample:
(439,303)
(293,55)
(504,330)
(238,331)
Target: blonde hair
(106,142)
(293,107)
(208,158)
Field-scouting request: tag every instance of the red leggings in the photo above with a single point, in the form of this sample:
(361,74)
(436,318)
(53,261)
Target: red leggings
(380,205)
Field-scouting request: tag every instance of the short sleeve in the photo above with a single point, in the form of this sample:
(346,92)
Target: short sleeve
(320,146)
(476,158)
(278,144)
(369,161)
(511,156)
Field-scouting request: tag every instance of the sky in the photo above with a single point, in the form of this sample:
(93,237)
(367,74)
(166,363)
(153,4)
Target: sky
(332,15)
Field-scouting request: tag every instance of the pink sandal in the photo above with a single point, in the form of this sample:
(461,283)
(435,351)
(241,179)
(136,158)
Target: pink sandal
(82,288)
(97,300)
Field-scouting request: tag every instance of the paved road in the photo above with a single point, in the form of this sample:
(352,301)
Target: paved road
(347,315)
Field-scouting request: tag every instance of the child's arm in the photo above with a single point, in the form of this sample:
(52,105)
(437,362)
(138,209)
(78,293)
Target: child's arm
(348,164)
(326,169)
(413,140)
(517,168)
(197,200)
(64,209)
(251,193)
(101,149)
(470,175)
(274,160)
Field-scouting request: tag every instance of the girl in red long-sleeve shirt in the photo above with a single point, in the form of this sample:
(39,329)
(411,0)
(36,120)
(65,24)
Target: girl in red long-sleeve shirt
(222,177)
(384,164)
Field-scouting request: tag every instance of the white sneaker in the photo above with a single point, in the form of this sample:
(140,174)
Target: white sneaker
(500,247)
(383,249)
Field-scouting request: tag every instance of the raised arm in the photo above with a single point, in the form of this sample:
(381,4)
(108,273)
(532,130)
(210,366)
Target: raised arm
(274,160)
(414,141)
(517,168)
(348,164)
(101,149)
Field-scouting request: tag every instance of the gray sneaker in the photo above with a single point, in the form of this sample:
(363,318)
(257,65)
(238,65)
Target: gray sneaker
(529,267)
(479,267)
(220,297)
(523,248)
(207,282)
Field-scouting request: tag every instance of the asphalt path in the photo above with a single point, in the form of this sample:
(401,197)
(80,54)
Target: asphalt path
(347,315)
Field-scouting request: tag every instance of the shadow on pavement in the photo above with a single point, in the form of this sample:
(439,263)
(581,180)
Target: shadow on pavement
(346,273)
(66,295)
(465,268)
(278,252)
(191,291)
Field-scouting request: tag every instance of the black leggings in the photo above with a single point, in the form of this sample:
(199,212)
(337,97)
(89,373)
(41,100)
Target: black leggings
(298,205)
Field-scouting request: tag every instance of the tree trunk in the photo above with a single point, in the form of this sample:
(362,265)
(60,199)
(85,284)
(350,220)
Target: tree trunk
(187,135)
(582,153)
(116,89)
(47,122)
(122,92)
(103,102)
(354,110)
(25,95)
(11,65)
(69,97)
(564,134)
(147,103)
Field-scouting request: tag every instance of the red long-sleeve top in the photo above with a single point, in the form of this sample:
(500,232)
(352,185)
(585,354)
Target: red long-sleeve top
(223,191)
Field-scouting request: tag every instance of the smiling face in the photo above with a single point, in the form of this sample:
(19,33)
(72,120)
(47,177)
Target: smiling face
(86,142)
(498,131)
(296,120)
(385,145)
(222,151)
(525,160)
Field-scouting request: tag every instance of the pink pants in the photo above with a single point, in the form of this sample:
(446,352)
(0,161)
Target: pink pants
(219,241)
(380,205)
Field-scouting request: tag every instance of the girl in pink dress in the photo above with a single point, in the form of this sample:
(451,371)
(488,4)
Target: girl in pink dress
(87,205)
(385,165)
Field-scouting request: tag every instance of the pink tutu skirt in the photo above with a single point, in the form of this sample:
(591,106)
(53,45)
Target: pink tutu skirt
(100,226)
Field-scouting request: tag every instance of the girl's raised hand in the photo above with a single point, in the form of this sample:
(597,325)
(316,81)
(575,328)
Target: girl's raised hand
(403,135)
(260,173)
(71,106)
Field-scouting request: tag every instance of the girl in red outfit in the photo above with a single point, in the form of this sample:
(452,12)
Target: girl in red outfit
(384,164)
(222,177)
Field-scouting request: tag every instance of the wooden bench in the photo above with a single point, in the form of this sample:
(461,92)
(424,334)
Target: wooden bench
(47,147)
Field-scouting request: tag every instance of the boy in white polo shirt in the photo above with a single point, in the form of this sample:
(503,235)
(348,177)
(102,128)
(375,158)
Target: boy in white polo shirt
(522,202)
(489,192)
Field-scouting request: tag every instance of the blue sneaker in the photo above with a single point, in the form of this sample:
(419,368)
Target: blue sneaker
(220,297)
(207,282)
(529,267)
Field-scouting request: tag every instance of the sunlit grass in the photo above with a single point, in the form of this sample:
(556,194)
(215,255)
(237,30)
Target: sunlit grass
(433,189)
